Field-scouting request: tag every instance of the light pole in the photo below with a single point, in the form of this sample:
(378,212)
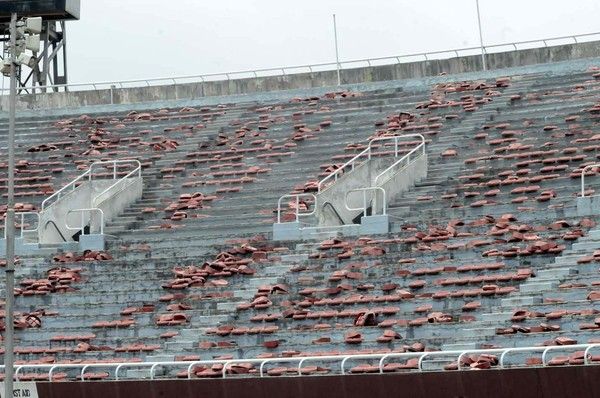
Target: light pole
(10,217)
(337,54)
(481,37)
(22,37)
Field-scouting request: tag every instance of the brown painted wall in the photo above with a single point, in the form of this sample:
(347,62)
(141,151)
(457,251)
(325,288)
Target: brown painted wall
(566,382)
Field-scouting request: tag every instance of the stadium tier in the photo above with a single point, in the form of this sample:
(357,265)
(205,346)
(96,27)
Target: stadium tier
(489,252)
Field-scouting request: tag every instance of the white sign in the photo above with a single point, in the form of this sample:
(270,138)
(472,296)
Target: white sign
(21,390)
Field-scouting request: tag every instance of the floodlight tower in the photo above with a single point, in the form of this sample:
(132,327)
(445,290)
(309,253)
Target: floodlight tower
(50,65)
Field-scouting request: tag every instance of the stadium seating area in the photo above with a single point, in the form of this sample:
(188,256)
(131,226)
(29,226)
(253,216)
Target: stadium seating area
(486,252)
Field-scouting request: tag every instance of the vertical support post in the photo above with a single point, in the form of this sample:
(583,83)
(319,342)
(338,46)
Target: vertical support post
(45,63)
(481,37)
(10,217)
(63,26)
(374,207)
(337,54)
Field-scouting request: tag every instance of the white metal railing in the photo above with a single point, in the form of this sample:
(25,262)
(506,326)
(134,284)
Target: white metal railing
(297,210)
(88,175)
(455,356)
(22,222)
(137,170)
(340,170)
(367,153)
(70,187)
(583,171)
(257,73)
(365,202)
(83,222)
(403,161)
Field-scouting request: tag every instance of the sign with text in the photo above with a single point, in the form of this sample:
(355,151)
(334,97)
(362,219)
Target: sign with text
(21,390)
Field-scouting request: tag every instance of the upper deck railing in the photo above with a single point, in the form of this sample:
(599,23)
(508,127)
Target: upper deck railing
(325,66)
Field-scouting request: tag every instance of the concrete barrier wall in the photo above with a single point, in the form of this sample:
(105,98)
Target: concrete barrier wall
(306,80)
(405,178)
(57,213)
(335,194)
(115,201)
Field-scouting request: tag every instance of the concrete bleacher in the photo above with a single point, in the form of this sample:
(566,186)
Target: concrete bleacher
(488,251)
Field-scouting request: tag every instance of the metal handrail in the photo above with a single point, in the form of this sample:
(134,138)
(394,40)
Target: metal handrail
(83,223)
(330,206)
(368,152)
(339,170)
(343,359)
(137,170)
(23,230)
(590,166)
(406,157)
(309,67)
(545,350)
(89,174)
(71,185)
(297,197)
(51,222)
(397,138)
(365,205)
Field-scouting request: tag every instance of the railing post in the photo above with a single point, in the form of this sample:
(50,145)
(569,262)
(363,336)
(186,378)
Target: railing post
(279,211)
(297,207)
(101,222)
(374,206)
(484,65)
(337,54)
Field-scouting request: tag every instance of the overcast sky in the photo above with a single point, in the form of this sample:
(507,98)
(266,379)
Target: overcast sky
(129,39)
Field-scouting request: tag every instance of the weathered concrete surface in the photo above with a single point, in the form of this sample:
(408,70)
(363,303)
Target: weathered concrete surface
(114,201)
(299,81)
(362,176)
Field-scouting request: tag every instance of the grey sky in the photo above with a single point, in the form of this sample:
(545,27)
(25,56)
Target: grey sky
(128,39)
